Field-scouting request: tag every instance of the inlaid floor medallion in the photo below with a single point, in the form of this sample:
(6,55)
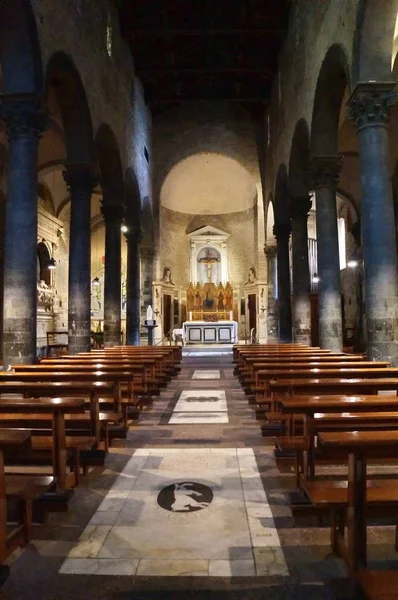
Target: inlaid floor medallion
(186,496)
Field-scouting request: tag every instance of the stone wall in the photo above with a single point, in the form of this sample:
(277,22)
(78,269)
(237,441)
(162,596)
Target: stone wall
(175,249)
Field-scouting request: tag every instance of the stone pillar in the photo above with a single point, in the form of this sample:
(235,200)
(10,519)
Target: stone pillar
(80,180)
(369,108)
(133,237)
(299,209)
(25,123)
(147,254)
(325,171)
(282,234)
(272,314)
(113,216)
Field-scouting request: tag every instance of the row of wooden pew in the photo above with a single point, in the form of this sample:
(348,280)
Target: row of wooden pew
(328,407)
(64,412)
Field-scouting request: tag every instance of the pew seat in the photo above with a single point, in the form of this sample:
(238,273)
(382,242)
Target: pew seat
(378,585)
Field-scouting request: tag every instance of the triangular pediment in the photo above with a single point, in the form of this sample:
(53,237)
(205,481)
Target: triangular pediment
(208,231)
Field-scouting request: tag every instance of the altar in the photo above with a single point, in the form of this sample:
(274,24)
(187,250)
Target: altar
(205,332)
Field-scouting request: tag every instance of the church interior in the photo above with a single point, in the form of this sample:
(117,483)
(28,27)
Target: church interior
(198,300)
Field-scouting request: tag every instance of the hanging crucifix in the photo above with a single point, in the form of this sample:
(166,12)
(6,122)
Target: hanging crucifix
(208,260)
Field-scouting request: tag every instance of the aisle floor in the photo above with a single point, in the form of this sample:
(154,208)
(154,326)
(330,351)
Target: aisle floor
(190,505)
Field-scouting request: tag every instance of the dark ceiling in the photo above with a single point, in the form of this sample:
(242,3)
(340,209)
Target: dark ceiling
(205,49)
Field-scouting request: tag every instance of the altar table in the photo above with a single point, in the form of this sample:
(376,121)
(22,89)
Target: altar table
(203,332)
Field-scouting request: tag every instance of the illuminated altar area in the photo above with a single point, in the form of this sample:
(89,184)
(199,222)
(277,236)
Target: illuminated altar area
(209,293)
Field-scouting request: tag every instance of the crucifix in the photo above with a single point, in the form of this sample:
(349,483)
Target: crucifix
(208,260)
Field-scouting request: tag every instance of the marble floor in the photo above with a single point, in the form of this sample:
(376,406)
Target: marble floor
(190,510)
(206,374)
(182,513)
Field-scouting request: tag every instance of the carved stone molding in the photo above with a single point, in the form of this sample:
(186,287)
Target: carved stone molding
(369,103)
(282,231)
(300,206)
(270,252)
(325,170)
(24,114)
(80,178)
(133,235)
(112,213)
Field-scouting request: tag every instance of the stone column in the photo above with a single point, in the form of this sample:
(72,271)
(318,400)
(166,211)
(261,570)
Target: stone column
(325,171)
(25,123)
(299,209)
(113,216)
(133,237)
(80,180)
(282,234)
(147,254)
(272,314)
(369,108)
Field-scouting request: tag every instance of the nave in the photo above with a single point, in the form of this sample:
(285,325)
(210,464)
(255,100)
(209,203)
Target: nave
(128,534)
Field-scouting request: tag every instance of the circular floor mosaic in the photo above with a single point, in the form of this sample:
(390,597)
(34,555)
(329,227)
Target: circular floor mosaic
(186,496)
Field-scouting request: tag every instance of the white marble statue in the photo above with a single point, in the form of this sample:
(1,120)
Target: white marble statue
(149,313)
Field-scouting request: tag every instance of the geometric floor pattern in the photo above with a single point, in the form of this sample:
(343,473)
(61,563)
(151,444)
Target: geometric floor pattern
(200,406)
(215,520)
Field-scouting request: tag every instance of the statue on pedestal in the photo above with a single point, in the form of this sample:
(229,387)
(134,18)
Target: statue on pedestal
(149,313)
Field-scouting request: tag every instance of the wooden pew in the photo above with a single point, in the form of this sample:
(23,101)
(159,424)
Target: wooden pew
(86,389)
(45,418)
(358,445)
(332,386)
(257,372)
(23,489)
(319,413)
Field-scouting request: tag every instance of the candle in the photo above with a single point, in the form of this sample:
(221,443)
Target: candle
(231,316)
(190,315)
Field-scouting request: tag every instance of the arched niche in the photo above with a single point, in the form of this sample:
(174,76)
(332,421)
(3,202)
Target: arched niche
(208,256)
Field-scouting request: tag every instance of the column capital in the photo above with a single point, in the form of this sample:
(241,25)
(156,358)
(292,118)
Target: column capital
(112,213)
(300,206)
(270,251)
(282,231)
(133,235)
(325,170)
(147,251)
(80,178)
(24,115)
(370,102)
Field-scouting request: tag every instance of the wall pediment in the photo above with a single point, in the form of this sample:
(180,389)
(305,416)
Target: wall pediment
(208,231)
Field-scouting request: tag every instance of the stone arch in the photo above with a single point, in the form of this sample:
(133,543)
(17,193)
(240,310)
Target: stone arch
(299,163)
(110,166)
(133,199)
(332,82)
(63,76)
(373,40)
(281,202)
(20,55)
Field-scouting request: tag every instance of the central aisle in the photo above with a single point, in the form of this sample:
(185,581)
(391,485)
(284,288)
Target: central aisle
(184,511)
(191,500)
